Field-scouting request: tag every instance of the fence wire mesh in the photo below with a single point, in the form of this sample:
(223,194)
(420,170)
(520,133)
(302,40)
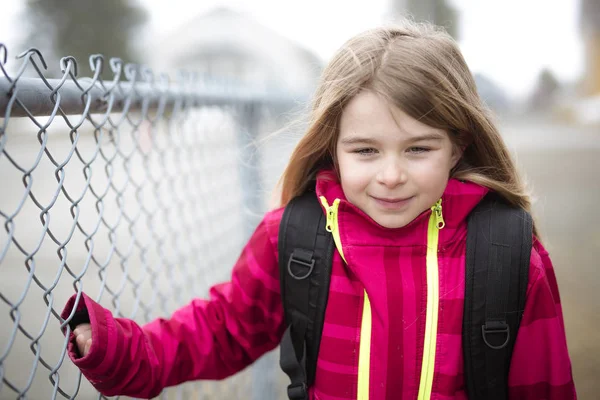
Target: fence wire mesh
(138,191)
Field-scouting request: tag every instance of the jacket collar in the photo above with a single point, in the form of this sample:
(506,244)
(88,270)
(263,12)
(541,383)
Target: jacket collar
(358,229)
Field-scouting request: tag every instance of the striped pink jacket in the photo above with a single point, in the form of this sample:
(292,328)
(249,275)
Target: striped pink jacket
(392,324)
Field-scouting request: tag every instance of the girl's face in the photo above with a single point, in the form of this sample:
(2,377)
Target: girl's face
(392,166)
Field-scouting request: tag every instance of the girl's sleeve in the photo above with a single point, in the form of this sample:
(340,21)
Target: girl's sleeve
(540,366)
(206,339)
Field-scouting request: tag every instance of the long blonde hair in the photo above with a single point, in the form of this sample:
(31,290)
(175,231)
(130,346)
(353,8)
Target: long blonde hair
(420,69)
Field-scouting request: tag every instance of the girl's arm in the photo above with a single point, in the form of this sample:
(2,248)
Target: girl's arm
(206,339)
(540,366)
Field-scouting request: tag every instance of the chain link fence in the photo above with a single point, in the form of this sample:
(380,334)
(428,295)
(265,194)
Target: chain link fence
(137,190)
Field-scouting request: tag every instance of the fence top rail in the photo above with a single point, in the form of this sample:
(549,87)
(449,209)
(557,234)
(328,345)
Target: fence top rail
(39,97)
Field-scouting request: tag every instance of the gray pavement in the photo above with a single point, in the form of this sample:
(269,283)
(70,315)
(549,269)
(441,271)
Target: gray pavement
(562,163)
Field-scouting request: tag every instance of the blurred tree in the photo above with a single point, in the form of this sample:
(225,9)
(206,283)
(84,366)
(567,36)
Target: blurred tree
(82,27)
(544,93)
(440,12)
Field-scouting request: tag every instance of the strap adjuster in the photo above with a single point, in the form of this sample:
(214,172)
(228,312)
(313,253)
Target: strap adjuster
(304,258)
(495,328)
(297,391)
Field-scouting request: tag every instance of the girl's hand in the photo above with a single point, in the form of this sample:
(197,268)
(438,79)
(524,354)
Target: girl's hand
(83,338)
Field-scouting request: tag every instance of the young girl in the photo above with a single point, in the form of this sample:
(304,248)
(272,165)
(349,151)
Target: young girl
(397,128)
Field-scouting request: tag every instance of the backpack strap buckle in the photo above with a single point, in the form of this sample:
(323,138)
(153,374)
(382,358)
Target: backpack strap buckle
(297,391)
(495,328)
(303,258)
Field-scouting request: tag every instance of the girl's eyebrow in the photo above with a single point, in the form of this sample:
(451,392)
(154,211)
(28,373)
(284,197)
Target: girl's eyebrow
(370,141)
(358,140)
(426,136)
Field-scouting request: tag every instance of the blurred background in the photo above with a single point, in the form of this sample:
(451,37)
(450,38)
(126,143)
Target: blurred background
(537,66)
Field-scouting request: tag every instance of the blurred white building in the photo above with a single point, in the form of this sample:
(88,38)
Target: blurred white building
(225,44)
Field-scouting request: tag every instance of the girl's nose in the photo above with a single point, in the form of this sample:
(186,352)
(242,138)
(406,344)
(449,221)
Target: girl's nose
(392,174)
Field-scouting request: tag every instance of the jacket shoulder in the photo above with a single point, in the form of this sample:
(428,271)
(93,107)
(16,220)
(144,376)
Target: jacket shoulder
(271,222)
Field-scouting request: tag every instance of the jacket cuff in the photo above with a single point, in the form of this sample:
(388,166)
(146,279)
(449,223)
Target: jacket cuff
(84,309)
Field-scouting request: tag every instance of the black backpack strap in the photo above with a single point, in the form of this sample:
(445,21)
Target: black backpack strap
(499,241)
(305,257)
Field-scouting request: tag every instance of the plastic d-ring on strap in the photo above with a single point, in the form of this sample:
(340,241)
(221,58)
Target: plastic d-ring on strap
(493,328)
(294,259)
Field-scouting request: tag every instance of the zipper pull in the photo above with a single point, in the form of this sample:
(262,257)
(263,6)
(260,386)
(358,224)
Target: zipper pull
(331,212)
(439,218)
(330,216)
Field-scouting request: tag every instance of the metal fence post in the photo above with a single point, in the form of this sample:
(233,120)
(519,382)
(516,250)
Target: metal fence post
(263,370)
(249,166)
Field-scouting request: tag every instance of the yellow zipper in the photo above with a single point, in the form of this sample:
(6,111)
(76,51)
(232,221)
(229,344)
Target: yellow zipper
(332,222)
(436,222)
(364,356)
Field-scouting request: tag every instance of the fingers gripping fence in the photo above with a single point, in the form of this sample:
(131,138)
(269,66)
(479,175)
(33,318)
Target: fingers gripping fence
(137,190)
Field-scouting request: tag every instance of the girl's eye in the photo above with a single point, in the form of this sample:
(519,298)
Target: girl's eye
(418,150)
(365,151)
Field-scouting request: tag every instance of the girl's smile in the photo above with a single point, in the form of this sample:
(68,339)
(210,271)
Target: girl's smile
(392,203)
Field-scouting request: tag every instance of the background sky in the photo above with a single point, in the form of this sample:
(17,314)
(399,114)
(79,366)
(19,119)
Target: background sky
(509,41)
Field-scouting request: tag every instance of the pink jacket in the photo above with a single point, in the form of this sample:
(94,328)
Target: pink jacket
(392,324)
